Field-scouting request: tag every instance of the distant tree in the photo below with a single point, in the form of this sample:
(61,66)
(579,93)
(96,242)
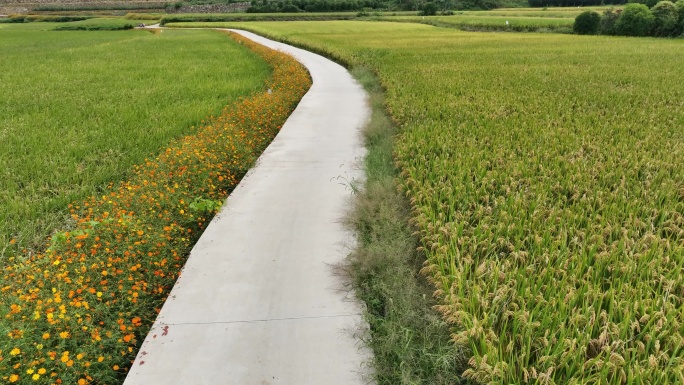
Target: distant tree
(635,20)
(290,8)
(665,19)
(428,9)
(679,5)
(587,23)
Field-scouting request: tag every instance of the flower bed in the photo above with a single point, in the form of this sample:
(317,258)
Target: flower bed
(78,312)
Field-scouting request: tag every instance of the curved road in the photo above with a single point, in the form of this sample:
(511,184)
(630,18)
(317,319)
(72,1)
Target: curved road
(258,302)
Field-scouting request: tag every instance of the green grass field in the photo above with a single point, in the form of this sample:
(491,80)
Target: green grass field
(78,109)
(546,175)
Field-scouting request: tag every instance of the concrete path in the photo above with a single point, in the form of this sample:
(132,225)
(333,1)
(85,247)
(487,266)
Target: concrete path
(258,302)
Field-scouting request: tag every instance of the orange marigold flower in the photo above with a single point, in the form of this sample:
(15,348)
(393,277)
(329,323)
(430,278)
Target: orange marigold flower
(13,378)
(46,336)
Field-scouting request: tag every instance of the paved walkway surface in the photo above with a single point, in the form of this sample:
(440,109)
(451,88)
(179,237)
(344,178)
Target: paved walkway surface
(258,302)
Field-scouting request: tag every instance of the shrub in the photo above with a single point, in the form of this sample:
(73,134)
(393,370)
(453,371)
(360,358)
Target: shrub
(635,20)
(290,8)
(665,22)
(587,23)
(608,21)
(429,9)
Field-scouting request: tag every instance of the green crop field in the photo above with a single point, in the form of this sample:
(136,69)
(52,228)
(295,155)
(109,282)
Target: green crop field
(546,176)
(78,109)
(499,21)
(569,12)
(485,22)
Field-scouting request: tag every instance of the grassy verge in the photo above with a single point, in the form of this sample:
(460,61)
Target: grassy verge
(80,109)
(77,313)
(410,340)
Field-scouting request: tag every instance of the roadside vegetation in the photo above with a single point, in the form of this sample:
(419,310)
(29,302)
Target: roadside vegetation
(409,338)
(544,174)
(77,312)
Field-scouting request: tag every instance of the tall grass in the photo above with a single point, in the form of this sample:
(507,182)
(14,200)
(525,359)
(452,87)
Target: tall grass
(80,108)
(546,178)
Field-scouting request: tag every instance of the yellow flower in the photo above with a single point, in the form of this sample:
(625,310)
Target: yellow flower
(115,367)
(35,377)
(13,378)
(64,334)
(30,371)
(100,359)
(42,371)
(46,336)
(82,382)
(15,351)
(79,356)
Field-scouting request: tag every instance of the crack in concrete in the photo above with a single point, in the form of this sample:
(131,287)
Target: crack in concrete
(161,323)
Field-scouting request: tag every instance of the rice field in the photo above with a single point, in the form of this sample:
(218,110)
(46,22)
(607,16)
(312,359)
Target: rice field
(546,176)
(79,109)
(489,22)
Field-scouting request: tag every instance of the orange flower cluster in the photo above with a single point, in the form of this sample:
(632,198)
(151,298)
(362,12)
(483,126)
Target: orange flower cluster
(77,313)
